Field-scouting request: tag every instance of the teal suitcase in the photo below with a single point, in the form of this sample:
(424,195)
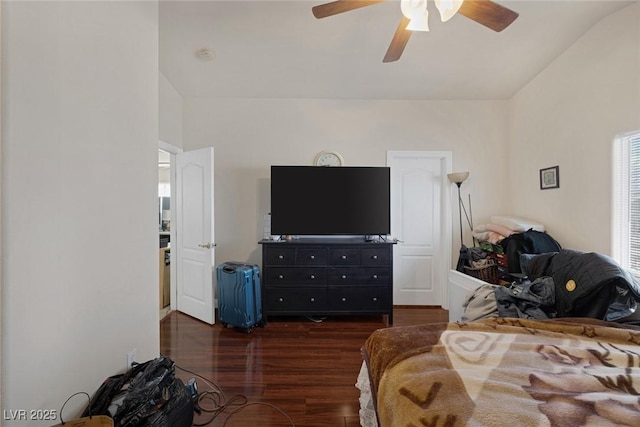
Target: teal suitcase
(239,295)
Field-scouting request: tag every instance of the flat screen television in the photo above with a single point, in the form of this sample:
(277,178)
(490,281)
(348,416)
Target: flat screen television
(317,200)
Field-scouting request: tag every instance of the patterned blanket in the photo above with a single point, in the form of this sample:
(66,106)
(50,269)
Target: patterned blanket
(506,372)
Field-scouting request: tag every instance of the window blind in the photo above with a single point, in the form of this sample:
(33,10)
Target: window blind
(626,201)
(634,202)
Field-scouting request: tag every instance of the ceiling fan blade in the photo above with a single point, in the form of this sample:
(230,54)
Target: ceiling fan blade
(488,13)
(340,6)
(399,41)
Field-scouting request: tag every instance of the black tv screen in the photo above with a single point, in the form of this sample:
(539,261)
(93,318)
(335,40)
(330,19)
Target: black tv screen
(316,200)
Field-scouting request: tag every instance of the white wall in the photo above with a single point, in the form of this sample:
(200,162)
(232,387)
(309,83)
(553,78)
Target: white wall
(79,197)
(568,116)
(1,275)
(250,135)
(170,113)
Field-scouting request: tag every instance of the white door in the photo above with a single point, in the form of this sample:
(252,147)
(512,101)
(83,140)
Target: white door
(420,220)
(195,234)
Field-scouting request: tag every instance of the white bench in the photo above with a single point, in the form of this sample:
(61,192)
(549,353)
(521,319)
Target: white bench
(458,287)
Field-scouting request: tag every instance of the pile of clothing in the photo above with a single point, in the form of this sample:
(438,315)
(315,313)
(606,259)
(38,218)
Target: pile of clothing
(502,226)
(503,241)
(567,283)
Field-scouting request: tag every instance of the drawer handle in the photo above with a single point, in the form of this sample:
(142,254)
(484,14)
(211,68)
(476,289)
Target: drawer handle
(375,276)
(313,299)
(281,299)
(280,276)
(280,256)
(344,276)
(312,277)
(344,299)
(343,257)
(312,257)
(374,257)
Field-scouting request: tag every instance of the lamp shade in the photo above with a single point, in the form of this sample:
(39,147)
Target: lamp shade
(416,11)
(448,8)
(458,177)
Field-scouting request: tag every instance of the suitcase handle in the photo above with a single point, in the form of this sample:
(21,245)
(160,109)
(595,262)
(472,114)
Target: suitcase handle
(231,266)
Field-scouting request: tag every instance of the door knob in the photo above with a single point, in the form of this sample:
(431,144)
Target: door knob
(206,245)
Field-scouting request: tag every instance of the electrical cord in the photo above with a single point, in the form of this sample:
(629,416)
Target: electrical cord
(214,402)
(235,411)
(219,405)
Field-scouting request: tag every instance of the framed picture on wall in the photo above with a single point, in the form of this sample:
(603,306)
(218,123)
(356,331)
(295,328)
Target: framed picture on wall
(550,178)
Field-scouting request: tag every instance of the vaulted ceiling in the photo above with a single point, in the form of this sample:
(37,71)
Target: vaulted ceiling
(278,49)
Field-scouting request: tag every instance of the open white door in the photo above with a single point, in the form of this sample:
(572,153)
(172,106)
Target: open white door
(194,246)
(420,211)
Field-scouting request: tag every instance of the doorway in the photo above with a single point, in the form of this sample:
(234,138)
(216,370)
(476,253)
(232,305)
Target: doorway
(164,231)
(166,188)
(191,231)
(421,221)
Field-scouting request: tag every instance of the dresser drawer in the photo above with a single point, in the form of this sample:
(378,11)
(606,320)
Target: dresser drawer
(287,300)
(375,256)
(294,276)
(359,276)
(373,298)
(344,256)
(279,255)
(311,256)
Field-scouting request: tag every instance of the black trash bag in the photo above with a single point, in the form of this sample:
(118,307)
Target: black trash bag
(147,395)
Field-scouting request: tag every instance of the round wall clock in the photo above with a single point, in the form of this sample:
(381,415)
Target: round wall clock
(328,158)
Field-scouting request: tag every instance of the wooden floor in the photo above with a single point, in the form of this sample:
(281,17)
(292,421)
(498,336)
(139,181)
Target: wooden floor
(303,368)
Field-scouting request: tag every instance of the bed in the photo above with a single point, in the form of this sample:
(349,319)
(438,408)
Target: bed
(501,372)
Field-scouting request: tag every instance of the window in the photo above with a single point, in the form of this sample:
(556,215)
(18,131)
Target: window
(626,201)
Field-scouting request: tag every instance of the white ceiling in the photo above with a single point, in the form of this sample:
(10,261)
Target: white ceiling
(278,49)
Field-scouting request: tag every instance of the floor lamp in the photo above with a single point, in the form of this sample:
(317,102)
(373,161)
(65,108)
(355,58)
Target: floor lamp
(458,178)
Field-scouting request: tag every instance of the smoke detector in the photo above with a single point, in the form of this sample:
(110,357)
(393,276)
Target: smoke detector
(205,55)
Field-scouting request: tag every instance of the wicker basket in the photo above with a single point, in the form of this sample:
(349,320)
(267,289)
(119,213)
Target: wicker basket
(488,273)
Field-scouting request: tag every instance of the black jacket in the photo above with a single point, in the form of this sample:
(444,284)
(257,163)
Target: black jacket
(588,284)
(529,242)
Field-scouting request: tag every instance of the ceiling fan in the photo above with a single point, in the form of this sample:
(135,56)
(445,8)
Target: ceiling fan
(484,12)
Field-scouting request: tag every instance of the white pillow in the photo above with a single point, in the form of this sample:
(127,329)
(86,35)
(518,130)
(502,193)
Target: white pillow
(517,224)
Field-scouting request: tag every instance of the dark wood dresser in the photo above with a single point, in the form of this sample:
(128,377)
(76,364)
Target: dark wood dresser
(340,276)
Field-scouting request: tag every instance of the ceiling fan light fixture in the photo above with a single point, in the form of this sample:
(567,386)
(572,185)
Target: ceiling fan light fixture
(416,11)
(448,8)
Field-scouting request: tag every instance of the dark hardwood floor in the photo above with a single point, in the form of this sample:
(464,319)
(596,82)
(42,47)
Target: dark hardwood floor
(305,369)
